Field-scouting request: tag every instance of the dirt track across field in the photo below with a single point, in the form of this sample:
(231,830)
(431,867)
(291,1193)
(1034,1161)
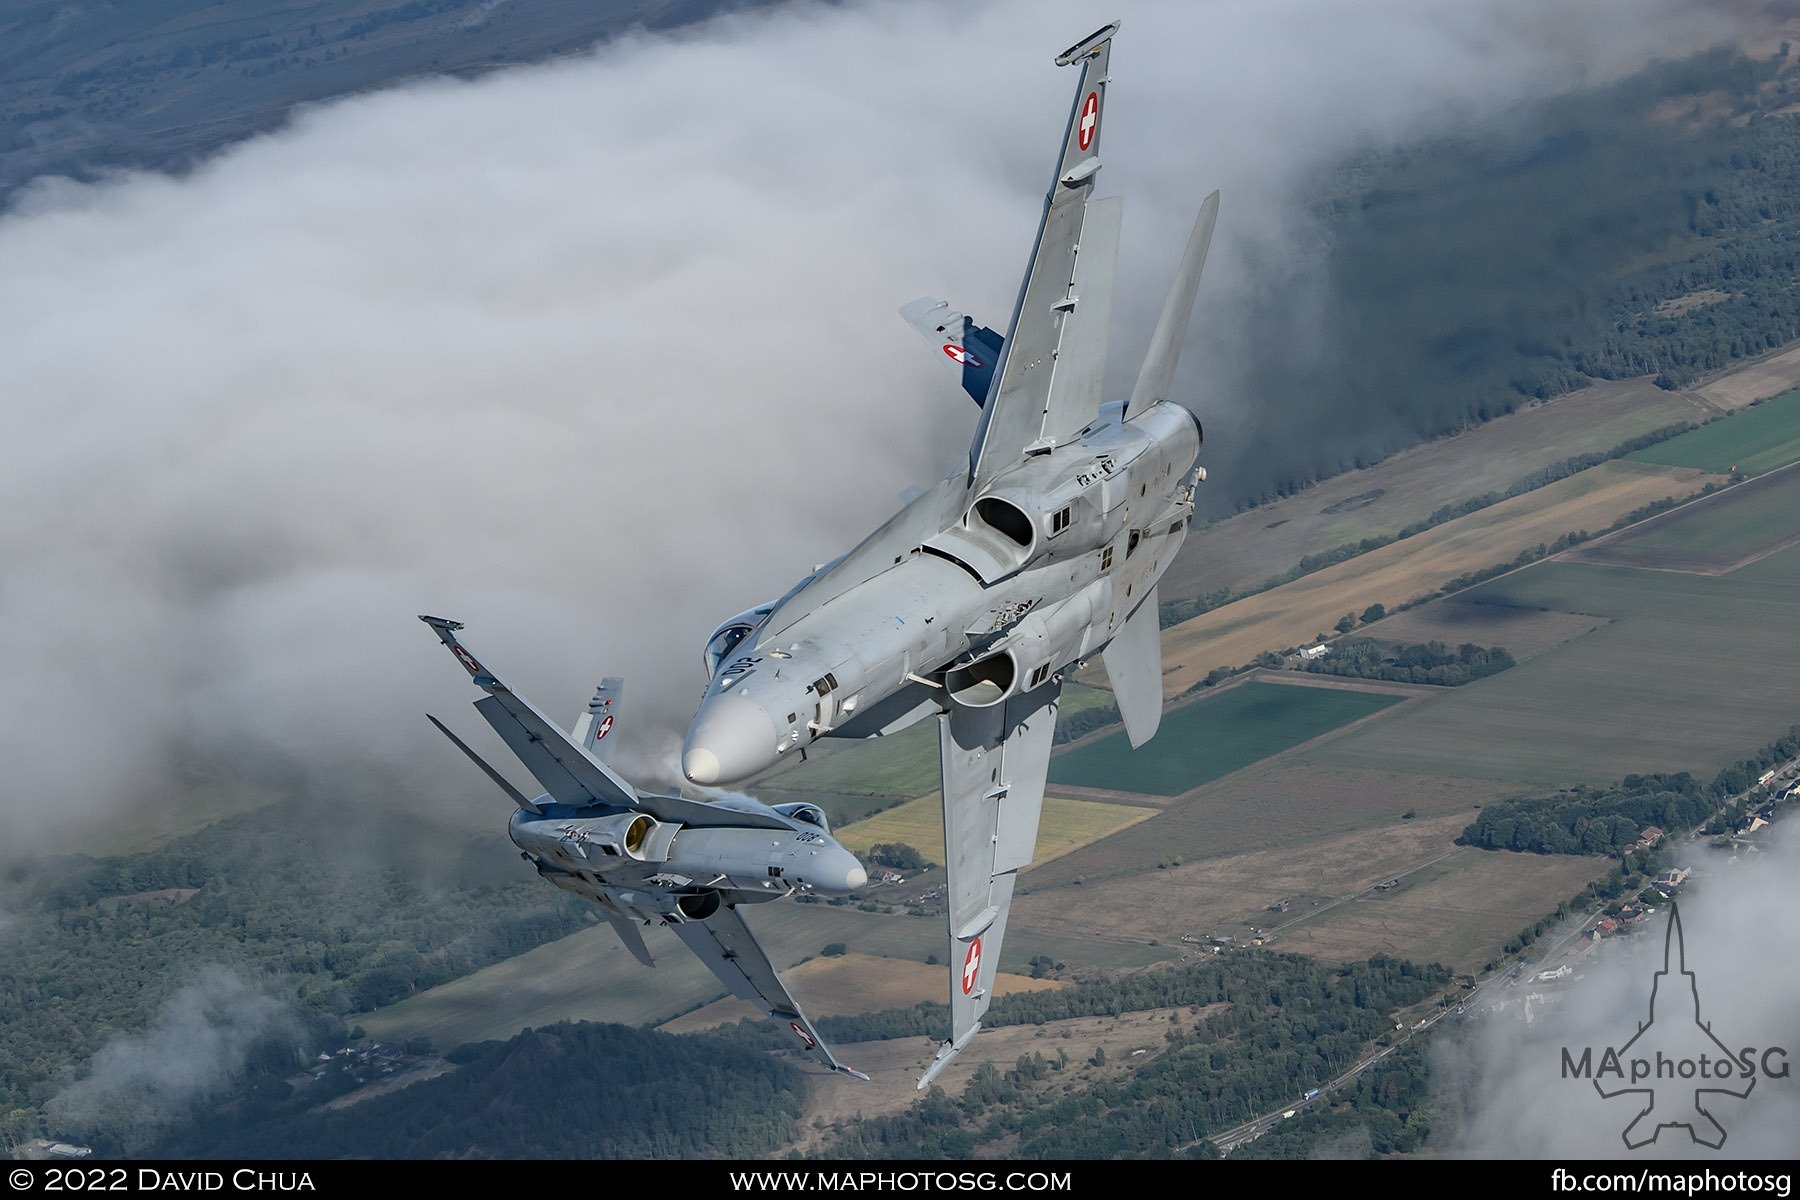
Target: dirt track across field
(1247,549)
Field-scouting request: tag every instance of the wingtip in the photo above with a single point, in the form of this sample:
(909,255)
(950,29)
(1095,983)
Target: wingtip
(945,1053)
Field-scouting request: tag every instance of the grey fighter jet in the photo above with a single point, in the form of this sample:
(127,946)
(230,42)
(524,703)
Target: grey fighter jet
(686,864)
(974,601)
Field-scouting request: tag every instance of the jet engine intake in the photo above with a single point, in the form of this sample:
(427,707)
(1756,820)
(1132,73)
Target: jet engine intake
(671,906)
(984,682)
(697,906)
(1041,642)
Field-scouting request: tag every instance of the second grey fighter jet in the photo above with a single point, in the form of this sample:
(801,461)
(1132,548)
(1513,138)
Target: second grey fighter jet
(655,859)
(973,602)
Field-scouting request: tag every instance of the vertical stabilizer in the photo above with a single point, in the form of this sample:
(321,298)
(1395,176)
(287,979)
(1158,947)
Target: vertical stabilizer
(1134,667)
(593,725)
(1158,372)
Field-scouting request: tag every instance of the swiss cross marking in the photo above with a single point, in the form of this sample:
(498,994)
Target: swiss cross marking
(971,966)
(1090,117)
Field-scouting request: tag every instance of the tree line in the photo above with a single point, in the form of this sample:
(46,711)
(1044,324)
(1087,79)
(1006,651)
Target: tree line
(1416,662)
(1606,819)
(1287,1024)
(331,912)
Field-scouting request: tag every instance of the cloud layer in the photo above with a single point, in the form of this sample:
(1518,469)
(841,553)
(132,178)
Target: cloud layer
(592,355)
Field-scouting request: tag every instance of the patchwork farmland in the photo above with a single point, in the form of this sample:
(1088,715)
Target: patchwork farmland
(1620,669)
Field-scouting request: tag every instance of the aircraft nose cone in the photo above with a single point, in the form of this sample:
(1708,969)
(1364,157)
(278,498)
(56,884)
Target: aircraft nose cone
(731,739)
(837,870)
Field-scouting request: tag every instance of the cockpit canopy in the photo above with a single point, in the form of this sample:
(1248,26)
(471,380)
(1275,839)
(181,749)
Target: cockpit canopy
(812,814)
(727,636)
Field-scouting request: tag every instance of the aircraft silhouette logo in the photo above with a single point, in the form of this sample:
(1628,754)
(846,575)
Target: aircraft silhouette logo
(1678,1052)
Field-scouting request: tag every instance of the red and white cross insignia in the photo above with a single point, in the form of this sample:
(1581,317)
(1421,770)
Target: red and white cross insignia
(971,966)
(1090,117)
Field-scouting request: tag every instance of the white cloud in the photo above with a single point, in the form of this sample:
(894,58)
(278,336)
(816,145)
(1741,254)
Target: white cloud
(1503,1083)
(594,354)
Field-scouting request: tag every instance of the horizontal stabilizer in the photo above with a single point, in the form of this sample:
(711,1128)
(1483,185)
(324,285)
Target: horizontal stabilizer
(1158,372)
(570,774)
(969,348)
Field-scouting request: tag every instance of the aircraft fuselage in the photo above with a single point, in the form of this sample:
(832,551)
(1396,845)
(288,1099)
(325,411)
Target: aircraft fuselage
(658,868)
(975,599)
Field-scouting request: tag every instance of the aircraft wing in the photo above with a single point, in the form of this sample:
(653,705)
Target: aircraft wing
(994,762)
(1047,383)
(562,765)
(570,774)
(728,948)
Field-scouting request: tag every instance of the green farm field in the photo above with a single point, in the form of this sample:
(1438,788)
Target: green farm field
(1419,566)
(1752,441)
(1286,806)
(903,764)
(1214,736)
(1244,550)
(1453,904)
(1455,911)
(1685,675)
(1712,536)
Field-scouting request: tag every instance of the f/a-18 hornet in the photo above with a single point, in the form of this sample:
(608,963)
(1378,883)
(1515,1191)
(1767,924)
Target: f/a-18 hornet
(974,601)
(686,864)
